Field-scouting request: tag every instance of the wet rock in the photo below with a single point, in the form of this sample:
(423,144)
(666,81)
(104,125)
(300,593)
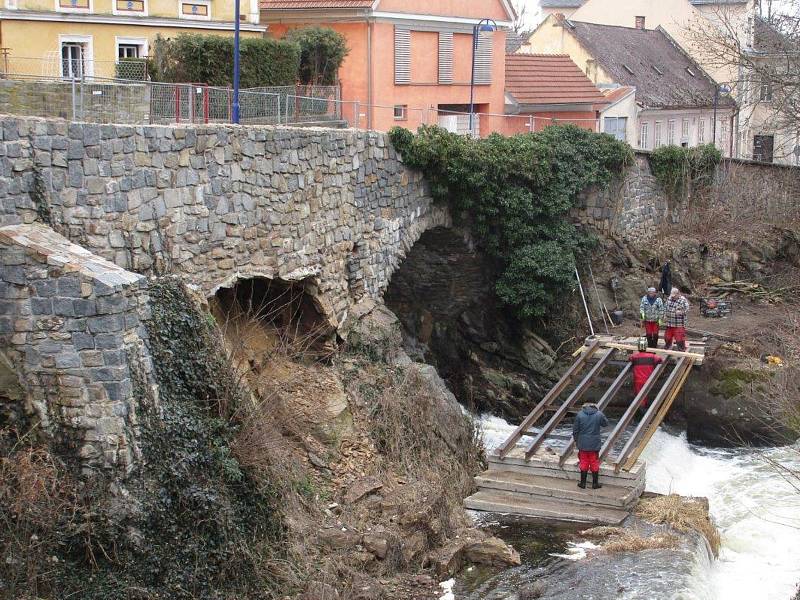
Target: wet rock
(362,488)
(493,552)
(532,591)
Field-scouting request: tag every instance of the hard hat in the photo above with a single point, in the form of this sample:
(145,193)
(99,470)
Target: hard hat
(642,344)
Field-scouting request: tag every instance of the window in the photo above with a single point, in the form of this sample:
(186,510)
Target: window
(644,134)
(701,131)
(445,57)
(615,126)
(128,51)
(402,55)
(76,56)
(685,129)
(723,131)
(12,4)
(73,6)
(400,112)
(483,58)
(195,9)
(671,132)
(657,134)
(763,148)
(639,22)
(130,7)
(766,91)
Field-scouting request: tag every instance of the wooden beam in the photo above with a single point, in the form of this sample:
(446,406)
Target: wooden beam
(675,353)
(554,392)
(658,419)
(571,399)
(602,404)
(628,415)
(663,393)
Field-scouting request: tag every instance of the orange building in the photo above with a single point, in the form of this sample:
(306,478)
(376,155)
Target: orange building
(410,61)
(542,89)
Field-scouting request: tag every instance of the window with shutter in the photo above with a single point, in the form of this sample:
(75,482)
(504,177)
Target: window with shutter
(445,57)
(483,58)
(402,55)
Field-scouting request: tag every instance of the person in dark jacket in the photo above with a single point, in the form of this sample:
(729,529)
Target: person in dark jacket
(586,432)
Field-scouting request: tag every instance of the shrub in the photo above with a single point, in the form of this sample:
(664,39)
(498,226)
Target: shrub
(677,167)
(322,51)
(209,59)
(516,193)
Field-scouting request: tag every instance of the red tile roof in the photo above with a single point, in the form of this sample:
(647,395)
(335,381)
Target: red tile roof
(311,4)
(549,79)
(618,93)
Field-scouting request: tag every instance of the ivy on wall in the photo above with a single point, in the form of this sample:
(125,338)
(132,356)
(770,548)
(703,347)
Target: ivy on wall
(516,194)
(677,168)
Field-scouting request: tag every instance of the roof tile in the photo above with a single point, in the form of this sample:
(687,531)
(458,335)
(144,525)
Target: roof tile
(549,79)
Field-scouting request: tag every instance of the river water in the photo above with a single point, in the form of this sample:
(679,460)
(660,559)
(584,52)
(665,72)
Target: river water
(755,507)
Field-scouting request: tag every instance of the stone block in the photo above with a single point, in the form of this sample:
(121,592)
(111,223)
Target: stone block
(108,324)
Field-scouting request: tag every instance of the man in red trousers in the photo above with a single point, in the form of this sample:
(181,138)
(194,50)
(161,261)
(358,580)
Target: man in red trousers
(644,363)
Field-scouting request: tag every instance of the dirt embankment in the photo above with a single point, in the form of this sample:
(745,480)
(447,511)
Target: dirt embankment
(374,456)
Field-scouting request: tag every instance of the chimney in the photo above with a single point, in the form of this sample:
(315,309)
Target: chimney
(639,22)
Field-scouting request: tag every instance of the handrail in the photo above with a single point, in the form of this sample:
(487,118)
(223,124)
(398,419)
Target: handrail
(601,405)
(682,365)
(628,415)
(554,392)
(562,410)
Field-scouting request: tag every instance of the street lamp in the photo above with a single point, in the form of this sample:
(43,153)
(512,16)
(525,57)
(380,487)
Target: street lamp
(482,25)
(235,107)
(719,89)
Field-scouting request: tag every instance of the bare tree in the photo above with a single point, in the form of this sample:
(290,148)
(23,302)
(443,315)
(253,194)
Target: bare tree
(757,54)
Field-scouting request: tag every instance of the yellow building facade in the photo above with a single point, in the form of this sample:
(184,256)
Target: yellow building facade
(89,37)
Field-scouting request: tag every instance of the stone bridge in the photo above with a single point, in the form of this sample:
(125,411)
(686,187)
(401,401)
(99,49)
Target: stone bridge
(89,210)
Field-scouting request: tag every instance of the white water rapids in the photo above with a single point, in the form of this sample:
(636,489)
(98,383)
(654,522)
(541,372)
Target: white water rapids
(756,510)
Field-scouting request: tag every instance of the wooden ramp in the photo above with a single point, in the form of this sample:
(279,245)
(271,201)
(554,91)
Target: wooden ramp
(535,472)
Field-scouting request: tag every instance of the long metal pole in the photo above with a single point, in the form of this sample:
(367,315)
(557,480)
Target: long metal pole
(585,306)
(475,30)
(599,302)
(235,110)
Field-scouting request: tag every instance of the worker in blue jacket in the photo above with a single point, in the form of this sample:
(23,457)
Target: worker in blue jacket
(586,432)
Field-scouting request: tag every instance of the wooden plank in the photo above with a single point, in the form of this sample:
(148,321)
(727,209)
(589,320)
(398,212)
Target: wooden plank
(602,404)
(628,415)
(657,421)
(552,394)
(571,399)
(543,508)
(663,393)
(676,353)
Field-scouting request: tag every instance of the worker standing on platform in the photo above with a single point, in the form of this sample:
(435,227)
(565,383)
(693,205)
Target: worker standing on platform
(644,363)
(586,432)
(651,312)
(676,311)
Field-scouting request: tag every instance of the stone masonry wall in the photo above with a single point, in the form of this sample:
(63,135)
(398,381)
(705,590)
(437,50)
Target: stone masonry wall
(334,208)
(637,208)
(70,325)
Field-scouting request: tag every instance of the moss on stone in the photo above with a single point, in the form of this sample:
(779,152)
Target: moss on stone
(731,382)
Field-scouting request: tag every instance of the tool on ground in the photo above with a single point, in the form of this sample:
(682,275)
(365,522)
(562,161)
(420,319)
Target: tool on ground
(715,307)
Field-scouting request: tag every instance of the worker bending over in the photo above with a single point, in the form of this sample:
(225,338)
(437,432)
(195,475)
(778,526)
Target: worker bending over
(644,363)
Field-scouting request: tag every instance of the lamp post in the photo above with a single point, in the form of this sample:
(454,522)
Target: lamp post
(719,89)
(482,25)
(235,107)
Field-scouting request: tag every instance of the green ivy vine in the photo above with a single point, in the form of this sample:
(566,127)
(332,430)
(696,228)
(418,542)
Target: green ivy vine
(676,168)
(516,194)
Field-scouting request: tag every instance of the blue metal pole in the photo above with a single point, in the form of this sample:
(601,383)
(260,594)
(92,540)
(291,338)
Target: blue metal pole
(235,108)
(472,80)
